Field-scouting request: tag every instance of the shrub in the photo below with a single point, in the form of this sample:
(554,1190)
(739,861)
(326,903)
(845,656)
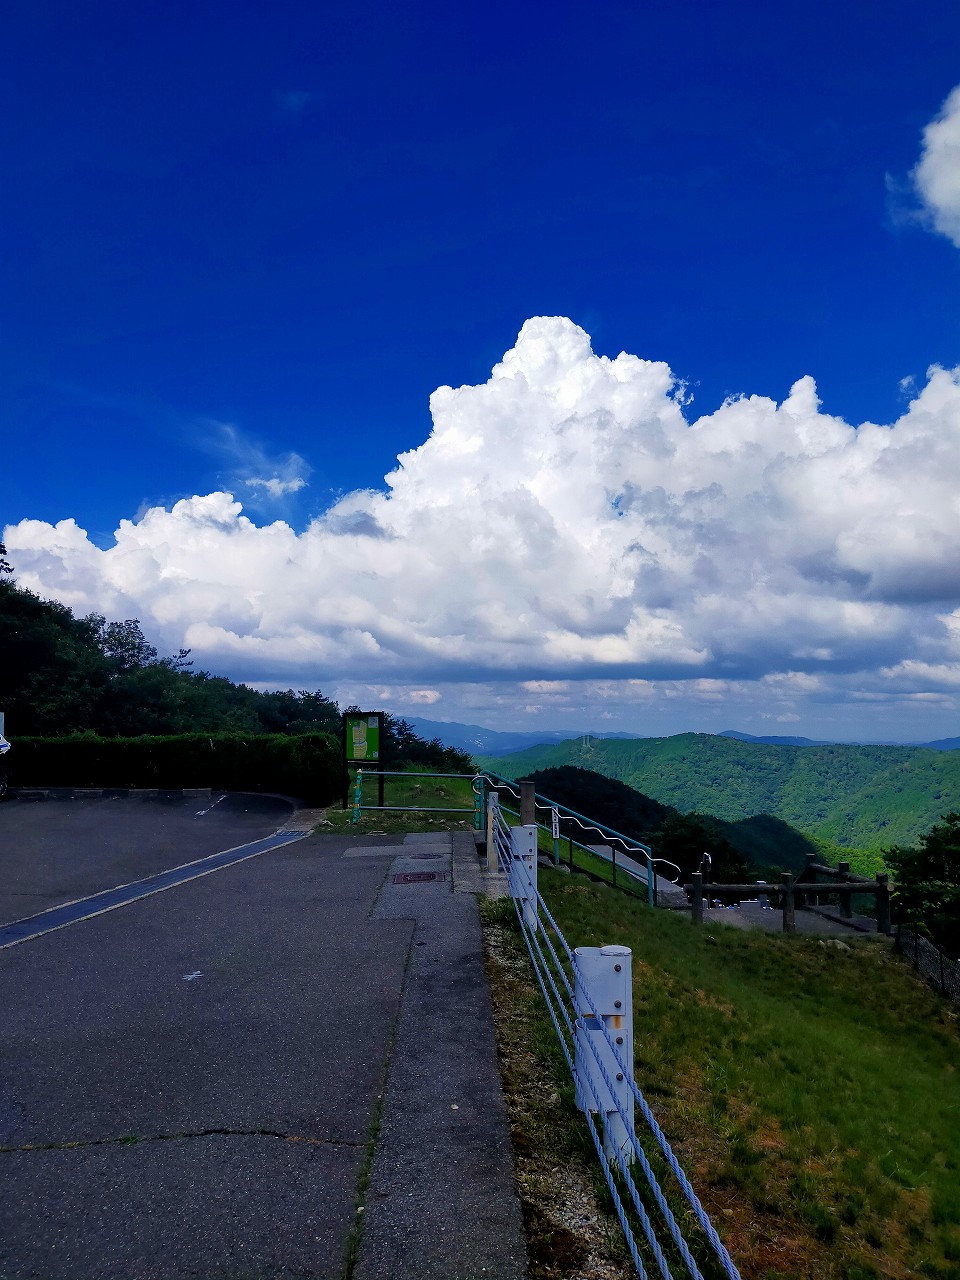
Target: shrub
(307,766)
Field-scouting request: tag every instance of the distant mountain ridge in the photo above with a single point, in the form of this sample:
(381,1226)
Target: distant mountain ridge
(941,744)
(495,742)
(479,740)
(866,797)
(771,741)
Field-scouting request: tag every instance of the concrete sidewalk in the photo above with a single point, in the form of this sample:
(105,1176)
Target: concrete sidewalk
(193,1085)
(442,1204)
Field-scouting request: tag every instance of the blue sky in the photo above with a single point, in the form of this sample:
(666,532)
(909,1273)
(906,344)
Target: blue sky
(245,243)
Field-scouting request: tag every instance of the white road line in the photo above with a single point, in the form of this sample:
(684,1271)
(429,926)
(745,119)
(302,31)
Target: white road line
(153,889)
(201,812)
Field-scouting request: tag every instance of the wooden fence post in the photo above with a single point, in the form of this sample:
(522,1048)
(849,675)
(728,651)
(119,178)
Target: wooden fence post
(789,906)
(846,909)
(697,900)
(883,904)
(528,804)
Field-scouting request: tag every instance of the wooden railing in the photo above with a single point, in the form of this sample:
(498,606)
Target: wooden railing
(791,890)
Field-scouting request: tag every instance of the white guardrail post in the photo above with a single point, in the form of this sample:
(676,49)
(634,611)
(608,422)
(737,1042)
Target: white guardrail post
(523,871)
(605,974)
(493,816)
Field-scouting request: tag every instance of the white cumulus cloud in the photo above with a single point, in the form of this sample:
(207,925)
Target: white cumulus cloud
(937,175)
(564,523)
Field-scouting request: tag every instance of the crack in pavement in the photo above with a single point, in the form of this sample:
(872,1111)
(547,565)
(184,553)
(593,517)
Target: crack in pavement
(131,1139)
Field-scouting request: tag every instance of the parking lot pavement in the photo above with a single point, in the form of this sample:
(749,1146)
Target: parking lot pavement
(223,1206)
(189,1084)
(57,850)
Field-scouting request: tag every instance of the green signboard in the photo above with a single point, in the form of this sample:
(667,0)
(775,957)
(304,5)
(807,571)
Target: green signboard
(361,736)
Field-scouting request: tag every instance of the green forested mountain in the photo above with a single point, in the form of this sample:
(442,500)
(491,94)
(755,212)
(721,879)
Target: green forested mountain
(852,796)
(752,846)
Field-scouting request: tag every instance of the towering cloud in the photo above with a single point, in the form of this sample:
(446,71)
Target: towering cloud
(564,521)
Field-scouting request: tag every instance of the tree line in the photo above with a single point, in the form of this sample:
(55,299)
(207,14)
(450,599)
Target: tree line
(61,674)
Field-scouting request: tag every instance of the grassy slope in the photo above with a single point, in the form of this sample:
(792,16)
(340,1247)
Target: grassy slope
(811,1093)
(859,797)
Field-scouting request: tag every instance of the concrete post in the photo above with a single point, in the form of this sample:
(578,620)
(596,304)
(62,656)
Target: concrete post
(605,975)
(528,804)
(523,872)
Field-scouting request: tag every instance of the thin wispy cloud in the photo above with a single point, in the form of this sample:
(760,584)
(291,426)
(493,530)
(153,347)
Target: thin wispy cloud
(276,487)
(248,466)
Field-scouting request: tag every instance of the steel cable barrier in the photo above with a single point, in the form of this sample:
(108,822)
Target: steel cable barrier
(588,993)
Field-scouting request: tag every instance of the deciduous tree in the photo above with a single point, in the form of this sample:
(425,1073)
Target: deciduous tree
(927,883)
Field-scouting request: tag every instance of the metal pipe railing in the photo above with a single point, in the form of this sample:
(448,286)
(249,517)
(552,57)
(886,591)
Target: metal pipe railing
(588,994)
(631,848)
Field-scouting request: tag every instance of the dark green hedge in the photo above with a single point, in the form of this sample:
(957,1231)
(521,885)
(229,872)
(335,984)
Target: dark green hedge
(307,766)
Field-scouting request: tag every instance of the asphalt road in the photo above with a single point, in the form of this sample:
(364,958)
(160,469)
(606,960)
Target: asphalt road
(55,850)
(190,1084)
(187,1084)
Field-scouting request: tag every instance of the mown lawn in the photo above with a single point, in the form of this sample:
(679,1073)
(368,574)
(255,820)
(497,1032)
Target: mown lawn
(414,801)
(811,1092)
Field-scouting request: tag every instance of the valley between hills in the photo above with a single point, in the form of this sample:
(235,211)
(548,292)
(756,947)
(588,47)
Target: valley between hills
(849,796)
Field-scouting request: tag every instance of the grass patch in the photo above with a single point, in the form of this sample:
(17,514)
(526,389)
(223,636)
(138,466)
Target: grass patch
(810,1094)
(417,789)
(390,824)
(447,806)
(569,1234)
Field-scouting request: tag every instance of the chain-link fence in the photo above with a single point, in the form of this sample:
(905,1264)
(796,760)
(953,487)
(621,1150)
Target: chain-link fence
(929,961)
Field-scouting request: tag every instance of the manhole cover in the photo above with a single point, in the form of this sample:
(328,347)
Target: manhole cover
(418,877)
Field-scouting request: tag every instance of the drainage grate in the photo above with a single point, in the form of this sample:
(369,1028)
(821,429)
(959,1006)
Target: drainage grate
(418,877)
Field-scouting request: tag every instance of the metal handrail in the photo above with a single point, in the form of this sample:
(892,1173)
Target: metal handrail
(628,845)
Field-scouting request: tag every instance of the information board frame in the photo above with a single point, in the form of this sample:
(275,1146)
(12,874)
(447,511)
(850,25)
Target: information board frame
(363,738)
